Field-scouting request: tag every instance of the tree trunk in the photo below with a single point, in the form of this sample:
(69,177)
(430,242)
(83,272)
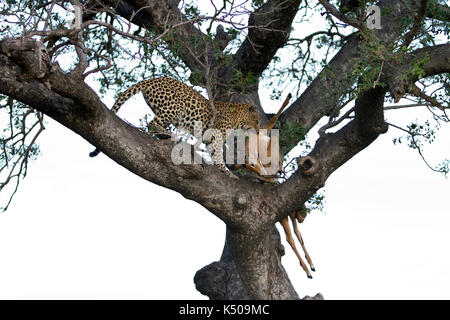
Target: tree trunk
(258,259)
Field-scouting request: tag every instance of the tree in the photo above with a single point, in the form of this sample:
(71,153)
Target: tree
(407,58)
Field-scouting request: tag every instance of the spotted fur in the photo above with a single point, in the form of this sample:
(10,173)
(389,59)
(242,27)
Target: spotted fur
(173,102)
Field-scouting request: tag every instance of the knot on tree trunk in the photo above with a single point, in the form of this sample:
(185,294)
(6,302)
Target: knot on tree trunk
(187,171)
(240,200)
(307,165)
(220,281)
(29,54)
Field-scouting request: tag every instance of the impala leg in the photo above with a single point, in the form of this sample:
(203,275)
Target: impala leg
(300,239)
(287,230)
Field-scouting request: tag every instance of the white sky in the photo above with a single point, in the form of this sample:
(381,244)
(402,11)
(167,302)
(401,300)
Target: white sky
(83,228)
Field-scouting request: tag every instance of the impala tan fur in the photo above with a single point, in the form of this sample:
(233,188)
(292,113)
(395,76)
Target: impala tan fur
(295,217)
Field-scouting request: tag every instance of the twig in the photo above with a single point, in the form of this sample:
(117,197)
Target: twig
(416,145)
(409,37)
(413,105)
(335,12)
(335,123)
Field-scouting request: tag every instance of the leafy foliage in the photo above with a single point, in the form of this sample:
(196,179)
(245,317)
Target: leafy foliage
(290,134)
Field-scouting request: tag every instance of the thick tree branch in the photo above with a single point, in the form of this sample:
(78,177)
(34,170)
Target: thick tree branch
(330,152)
(318,100)
(323,94)
(269,28)
(438,59)
(160,16)
(334,149)
(433,60)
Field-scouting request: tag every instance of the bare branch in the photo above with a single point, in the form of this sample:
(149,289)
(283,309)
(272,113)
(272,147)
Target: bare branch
(18,147)
(79,48)
(405,106)
(335,12)
(308,111)
(269,28)
(415,145)
(162,16)
(418,19)
(332,124)
(436,61)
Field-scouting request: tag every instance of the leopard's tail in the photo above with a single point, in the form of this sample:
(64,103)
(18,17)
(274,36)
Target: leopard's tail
(94,153)
(127,94)
(124,96)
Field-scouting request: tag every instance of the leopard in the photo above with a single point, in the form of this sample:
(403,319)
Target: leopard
(175,103)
